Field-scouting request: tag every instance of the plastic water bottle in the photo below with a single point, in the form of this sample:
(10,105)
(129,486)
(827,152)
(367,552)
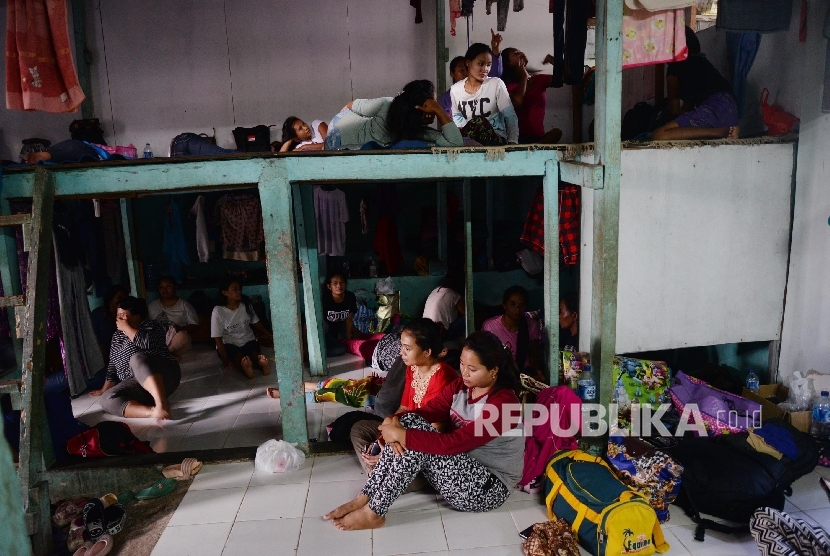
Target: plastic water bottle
(820,427)
(373,269)
(752,382)
(148,152)
(587,385)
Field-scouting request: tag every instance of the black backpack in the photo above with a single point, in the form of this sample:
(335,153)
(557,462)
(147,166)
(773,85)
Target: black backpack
(255,139)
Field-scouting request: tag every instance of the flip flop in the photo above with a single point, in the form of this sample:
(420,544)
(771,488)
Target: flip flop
(67,511)
(83,550)
(94,518)
(114,517)
(101,547)
(75,539)
(126,497)
(185,470)
(109,500)
(160,488)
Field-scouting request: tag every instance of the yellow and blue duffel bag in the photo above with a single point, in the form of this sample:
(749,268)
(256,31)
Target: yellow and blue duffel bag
(609,518)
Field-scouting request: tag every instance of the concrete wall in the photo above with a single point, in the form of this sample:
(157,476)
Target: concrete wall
(805,341)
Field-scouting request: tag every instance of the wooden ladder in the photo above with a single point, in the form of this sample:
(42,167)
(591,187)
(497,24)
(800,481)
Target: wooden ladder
(27,392)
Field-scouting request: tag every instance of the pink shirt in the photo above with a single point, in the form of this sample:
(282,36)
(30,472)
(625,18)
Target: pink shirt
(532,113)
(508,338)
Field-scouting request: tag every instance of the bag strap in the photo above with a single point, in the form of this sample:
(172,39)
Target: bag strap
(551,495)
(660,544)
(580,516)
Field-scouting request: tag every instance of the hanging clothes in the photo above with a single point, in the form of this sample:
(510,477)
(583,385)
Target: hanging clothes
(533,233)
(419,16)
(570,215)
(741,49)
(653,37)
(40,72)
(386,243)
(331,214)
(455,13)
(570,36)
(240,217)
(364,222)
(198,210)
(768,16)
(467,8)
(174,247)
(113,233)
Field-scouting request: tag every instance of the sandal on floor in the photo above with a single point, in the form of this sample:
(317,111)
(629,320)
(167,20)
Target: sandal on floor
(185,470)
(67,511)
(126,497)
(160,488)
(84,549)
(109,500)
(76,537)
(101,547)
(114,517)
(94,518)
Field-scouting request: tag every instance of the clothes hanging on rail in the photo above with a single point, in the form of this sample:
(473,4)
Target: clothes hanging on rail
(653,37)
(331,214)
(533,233)
(240,217)
(174,247)
(40,72)
(113,232)
(455,13)
(198,210)
(386,243)
(741,49)
(570,37)
(768,16)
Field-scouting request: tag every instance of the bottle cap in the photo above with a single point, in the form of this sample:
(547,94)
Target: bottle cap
(825,393)
(587,368)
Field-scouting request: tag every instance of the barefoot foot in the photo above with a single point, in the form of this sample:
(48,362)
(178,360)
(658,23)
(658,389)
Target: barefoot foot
(363,518)
(734,132)
(348,507)
(161,412)
(247,367)
(272,393)
(263,364)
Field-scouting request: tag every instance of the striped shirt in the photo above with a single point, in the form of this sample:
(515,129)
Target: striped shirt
(151,338)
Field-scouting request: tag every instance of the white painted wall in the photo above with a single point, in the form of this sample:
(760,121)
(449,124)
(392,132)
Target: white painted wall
(703,246)
(805,341)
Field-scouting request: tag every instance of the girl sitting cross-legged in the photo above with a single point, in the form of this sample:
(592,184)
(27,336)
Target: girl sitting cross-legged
(474,464)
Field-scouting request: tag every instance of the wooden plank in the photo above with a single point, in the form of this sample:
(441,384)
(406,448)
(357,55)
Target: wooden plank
(33,416)
(581,173)
(468,257)
(606,207)
(550,191)
(12,301)
(275,196)
(15,219)
(312,298)
(131,249)
(442,220)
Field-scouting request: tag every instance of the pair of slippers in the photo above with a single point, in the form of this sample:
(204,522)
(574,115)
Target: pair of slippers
(184,470)
(104,516)
(98,548)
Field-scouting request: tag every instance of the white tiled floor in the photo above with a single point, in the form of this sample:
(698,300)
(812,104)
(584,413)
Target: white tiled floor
(231,509)
(213,408)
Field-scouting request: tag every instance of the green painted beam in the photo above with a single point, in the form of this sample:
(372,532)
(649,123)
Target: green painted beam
(550,191)
(606,207)
(10,276)
(275,197)
(13,526)
(131,249)
(468,257)
(304,222)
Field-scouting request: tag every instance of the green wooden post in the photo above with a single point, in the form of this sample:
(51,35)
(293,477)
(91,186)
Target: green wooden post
(312,299)
(606,200)
(131,249)
(468,257)
(442,53)
(82,57)
(442,220)
(34,489)
(10,275)
(275,197)
(12,527)
(550,191)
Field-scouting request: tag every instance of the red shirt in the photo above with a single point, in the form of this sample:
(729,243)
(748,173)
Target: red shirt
(532,112)
(443,376)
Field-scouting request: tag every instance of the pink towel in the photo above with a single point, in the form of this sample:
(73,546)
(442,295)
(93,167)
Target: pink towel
(40,73)
(653,37)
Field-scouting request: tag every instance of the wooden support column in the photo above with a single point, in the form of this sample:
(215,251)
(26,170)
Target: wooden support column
(468,258)
(550,192)
(131,249)
(442,53)
(34,490)
(312,299)
(10,276)
(13,525)
(606,206)
(275,197)
(442,220)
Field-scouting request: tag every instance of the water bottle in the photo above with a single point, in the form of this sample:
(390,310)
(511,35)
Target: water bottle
(820,427)
(752,382)
(373,269)
(587,385)
(148,152)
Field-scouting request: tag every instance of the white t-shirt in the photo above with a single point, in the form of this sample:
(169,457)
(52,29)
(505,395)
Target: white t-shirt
(492,101)
(180,314)
(441,306)
(316,136)
(233,326)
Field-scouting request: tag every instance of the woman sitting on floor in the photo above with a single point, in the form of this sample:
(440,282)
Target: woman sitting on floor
(445,305)
(300,136)
(519,333)
(103,317)
(231,328)
(142,372)
(473,465)
(177,314)
(387,121)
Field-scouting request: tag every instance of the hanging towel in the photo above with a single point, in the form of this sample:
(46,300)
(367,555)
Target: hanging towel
(174,247)
(455,13)
(658,5)
(741,49)
(198,210)
(654,37)
(40,73)
(569,223)
(768,16)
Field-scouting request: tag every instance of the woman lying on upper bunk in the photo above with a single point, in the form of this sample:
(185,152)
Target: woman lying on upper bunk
(709,109)
(300,136)
(400,122)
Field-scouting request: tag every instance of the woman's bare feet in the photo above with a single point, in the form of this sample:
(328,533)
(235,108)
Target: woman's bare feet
(247,366)
(734,132)
(272,393)
(264,365)
(362,518)
(348,507)
(161,412)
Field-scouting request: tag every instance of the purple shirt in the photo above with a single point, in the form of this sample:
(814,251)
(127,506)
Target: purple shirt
(446,102)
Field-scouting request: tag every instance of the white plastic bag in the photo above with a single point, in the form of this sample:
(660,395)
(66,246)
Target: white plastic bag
(278,456)
(385,286)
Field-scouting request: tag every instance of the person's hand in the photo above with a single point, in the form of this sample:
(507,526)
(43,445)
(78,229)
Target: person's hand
(393,432)
(430,106)
(96,392)
(397,449)
(121,322)
(369,459)
(548,59)
(495,42)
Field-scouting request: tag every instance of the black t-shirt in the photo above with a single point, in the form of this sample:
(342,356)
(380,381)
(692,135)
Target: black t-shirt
(568,339)
(698,79)
(336,314)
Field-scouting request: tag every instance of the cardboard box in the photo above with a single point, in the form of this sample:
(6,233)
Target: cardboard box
(799,419)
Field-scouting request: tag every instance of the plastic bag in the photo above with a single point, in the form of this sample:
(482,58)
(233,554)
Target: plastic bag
(385,286)
(278,456)
(777,120)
